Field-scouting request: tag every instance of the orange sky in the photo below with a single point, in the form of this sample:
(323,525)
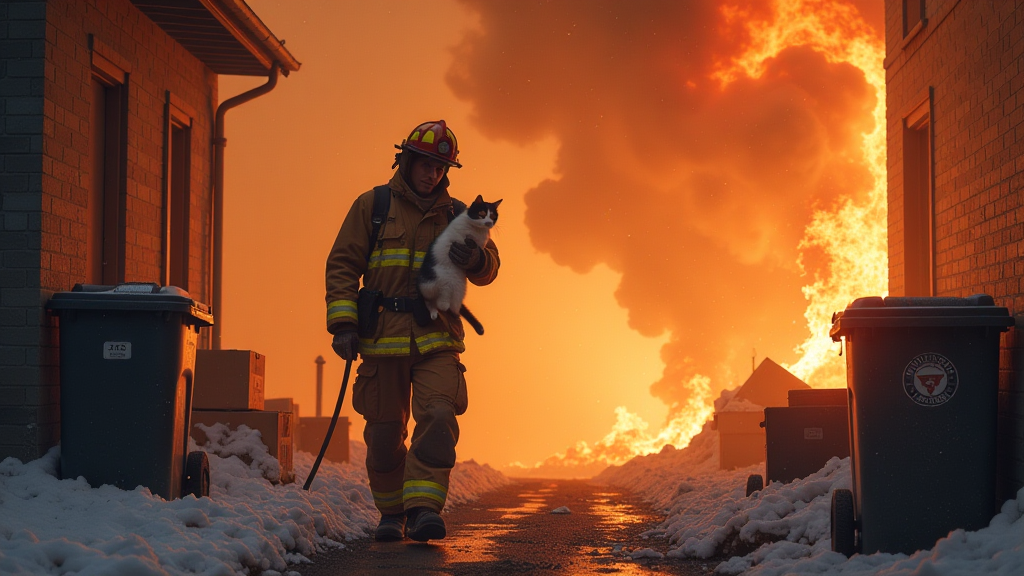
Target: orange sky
(650,221)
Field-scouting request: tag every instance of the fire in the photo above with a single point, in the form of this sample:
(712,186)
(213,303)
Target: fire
(629,438)
(852,236)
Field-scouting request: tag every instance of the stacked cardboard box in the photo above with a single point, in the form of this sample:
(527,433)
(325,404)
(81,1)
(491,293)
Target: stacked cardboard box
(229,380)
(314,429)
(287,405)
(275,429)
(228,389)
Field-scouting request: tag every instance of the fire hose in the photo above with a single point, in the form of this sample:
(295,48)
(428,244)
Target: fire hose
(330,429)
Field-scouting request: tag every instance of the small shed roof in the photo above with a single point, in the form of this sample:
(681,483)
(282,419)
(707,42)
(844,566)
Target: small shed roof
(226,35)
(769,385)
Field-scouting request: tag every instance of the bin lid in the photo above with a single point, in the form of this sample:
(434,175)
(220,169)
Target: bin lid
(916,312)
(131,296)
(818,397)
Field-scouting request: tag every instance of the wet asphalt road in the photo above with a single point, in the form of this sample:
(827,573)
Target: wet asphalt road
(512,531)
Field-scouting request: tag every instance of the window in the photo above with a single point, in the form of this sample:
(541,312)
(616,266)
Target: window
(918,201)
(177,174)
(107,164)
(913,16)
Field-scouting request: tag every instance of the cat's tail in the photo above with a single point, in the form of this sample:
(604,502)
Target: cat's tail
(465,313)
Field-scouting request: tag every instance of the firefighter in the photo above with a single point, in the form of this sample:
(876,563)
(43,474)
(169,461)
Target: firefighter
(403,359)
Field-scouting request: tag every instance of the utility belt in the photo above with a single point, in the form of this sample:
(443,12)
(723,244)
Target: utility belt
(371,303)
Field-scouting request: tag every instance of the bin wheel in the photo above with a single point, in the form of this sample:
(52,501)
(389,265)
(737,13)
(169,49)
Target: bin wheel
(843,525)
(197,475)
(755,483)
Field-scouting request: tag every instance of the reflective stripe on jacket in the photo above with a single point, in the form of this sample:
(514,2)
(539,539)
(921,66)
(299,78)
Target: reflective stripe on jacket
(392,268)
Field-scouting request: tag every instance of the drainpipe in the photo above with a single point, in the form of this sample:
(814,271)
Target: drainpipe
(219,142)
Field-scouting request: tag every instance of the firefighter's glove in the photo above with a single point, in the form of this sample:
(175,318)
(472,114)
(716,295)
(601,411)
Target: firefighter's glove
(346,344)
(467,256)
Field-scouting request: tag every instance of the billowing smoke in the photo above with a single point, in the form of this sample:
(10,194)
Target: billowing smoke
(697,190)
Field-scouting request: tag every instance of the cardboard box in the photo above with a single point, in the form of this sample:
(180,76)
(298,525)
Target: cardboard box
(280,405)
(287,405)
(313,429)
(741,439)
(229,380)
(275,427)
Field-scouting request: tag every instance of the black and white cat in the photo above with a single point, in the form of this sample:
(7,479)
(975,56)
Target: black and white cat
(443,284)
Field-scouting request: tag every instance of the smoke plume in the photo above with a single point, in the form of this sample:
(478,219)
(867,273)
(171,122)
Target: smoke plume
(696,188)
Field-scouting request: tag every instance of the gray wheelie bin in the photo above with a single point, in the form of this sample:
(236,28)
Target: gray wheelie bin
(923,376)
(127,355)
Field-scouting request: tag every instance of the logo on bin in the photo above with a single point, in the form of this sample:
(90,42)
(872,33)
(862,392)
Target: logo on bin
(930,379)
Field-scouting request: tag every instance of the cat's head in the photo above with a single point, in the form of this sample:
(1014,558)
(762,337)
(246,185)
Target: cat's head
(483,213)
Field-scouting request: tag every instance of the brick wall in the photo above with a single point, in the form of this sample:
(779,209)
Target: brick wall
(45,89)
(27,414)
(970,53)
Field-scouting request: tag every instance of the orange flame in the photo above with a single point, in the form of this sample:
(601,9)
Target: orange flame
(629,438)
(852,237)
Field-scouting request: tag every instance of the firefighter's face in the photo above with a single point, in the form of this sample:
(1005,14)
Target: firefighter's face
(425,173)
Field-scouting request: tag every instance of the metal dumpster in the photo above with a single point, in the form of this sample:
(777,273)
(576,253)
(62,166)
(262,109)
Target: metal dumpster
(923,377)
(804,436)
(127,355)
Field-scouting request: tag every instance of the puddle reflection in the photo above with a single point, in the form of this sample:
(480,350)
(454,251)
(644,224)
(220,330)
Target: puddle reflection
(532,503)
(475,542)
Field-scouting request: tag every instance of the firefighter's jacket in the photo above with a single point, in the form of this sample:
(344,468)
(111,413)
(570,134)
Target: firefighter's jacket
(392,268)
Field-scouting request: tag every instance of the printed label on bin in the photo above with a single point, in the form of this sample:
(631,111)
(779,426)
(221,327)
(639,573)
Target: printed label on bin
(930,379)
(814,434)
(117,350)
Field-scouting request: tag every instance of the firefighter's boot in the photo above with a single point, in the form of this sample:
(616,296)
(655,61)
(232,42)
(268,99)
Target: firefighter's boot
(424,524)
(389,528)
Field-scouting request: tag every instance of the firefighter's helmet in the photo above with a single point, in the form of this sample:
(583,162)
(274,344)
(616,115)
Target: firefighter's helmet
(433,139)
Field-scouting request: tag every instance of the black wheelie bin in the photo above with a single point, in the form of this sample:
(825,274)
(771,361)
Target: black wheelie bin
(127,356)
(923,377)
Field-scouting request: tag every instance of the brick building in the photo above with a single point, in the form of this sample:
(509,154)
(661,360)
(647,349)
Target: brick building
(955,119)
(108,166)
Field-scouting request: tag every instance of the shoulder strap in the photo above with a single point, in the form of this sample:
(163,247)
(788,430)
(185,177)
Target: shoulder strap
(381,205)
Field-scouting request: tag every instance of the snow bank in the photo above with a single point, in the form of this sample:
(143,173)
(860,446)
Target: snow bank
(247,526)
(784,529)
(664,476)
(995,549)
(469,480)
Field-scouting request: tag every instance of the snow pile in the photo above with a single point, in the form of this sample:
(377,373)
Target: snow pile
(995,549)
(247,526)
(246,444)
(717,517)
(469,480)
(784,529)
(666,475)
(645,553)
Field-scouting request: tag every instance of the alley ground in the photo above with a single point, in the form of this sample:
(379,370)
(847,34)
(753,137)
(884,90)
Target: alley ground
(512,531)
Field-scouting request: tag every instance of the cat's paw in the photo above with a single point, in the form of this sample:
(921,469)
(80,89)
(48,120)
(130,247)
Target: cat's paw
(433,314)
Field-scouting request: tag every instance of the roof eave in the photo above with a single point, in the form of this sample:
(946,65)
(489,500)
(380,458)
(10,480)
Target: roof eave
(238,19)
